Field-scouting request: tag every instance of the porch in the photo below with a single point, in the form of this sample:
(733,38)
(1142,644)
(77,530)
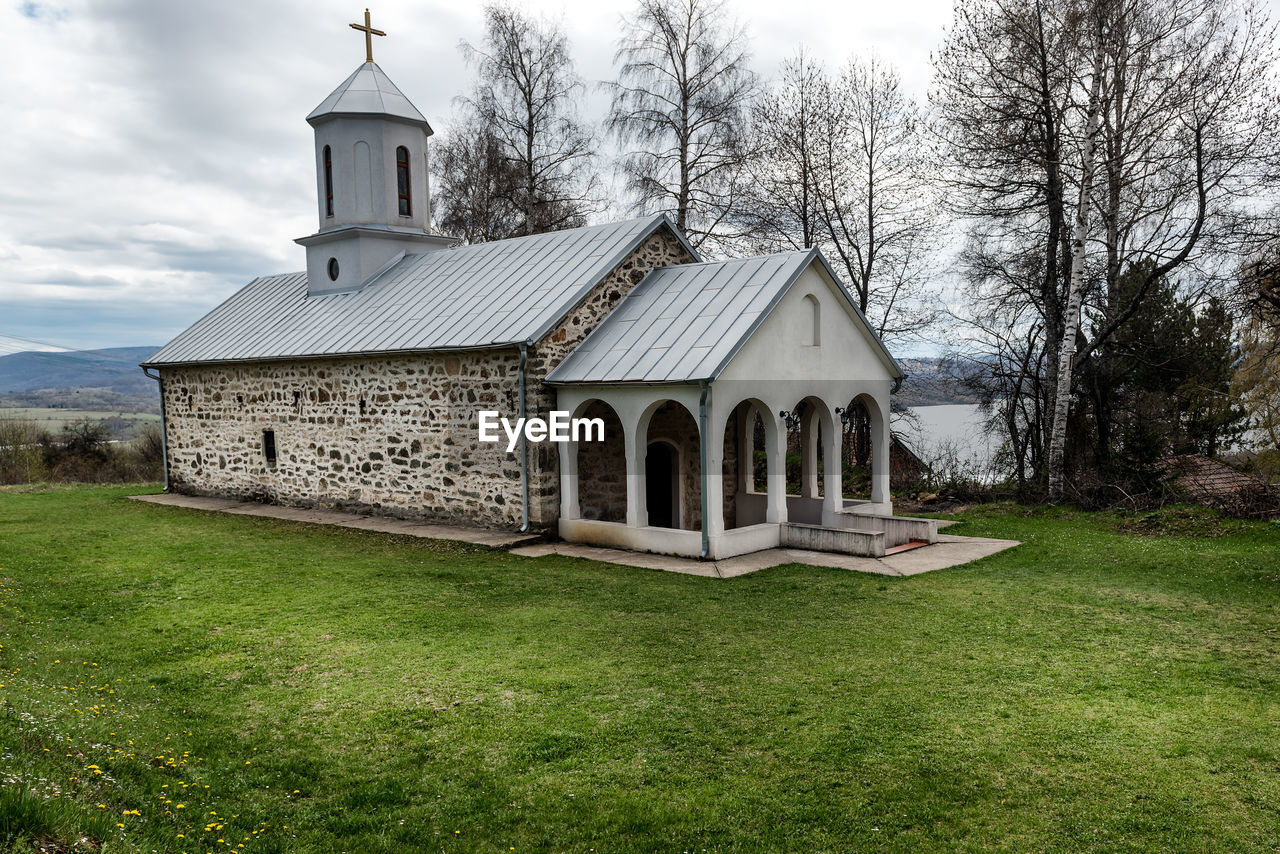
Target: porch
(702,470)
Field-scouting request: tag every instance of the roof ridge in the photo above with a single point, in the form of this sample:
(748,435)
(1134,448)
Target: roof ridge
(499,294)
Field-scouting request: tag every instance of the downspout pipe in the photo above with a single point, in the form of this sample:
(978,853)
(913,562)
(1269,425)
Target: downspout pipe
(164,425)
(524,443)
(704,454)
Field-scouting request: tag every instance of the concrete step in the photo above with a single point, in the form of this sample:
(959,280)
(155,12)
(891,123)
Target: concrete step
(898,530)
(849,541)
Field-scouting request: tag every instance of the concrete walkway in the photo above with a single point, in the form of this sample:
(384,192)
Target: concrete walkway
(385,524)
(949,551)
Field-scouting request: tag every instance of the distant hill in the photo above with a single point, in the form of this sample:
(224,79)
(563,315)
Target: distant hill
(70,378)
(931,382)
(115,369)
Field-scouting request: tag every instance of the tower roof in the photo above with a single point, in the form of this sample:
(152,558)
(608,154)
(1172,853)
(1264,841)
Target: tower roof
(369,92)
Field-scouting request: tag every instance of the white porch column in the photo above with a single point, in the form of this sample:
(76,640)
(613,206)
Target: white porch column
(637,511)
(714,477)
(833,472)
(880,455)
(809,454)
(776,506)
(569,505)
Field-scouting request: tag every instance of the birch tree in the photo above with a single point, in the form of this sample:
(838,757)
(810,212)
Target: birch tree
(1079,234)
(525,101)
(679,109)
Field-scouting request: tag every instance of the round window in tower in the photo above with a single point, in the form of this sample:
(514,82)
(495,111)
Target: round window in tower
(333,269)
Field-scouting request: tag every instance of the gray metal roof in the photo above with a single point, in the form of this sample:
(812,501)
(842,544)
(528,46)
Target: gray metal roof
(486,295)
(684,323)
(368,92)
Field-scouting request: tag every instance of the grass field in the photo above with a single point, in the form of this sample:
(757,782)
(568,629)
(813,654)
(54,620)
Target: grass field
(178,681)
(54,419)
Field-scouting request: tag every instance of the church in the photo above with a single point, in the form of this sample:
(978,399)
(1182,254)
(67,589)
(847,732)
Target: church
(359,383)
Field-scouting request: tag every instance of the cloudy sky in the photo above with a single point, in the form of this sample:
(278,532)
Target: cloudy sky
(155,155)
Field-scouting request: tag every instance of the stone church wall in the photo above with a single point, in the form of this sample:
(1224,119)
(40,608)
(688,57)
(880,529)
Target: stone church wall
(393,434)
(390,434)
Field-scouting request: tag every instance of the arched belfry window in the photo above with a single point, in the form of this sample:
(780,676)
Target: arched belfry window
(402,181)
(328,182)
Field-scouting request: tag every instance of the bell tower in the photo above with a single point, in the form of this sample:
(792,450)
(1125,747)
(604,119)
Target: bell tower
(372,186)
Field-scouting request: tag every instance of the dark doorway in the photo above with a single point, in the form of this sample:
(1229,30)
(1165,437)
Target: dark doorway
(662,486)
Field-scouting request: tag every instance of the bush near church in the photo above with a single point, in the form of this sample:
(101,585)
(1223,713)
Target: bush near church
(82,452)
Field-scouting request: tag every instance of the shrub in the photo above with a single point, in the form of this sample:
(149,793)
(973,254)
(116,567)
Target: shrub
(22,452)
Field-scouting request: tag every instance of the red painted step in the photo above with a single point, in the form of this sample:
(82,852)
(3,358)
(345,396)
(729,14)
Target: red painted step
(905,547)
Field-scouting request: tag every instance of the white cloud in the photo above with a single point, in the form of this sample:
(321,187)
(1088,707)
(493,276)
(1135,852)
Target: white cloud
(156,156)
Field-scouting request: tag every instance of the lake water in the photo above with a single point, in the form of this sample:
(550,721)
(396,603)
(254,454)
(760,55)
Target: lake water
(959,426)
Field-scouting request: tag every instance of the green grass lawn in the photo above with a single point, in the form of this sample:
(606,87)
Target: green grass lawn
(1111,685)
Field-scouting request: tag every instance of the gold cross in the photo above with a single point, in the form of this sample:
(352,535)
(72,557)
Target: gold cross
(369,33)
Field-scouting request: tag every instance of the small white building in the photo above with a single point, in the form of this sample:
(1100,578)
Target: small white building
(359,382)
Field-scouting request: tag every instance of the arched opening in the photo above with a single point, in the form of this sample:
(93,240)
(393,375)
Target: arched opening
(857,448)
(808,425)
(744,467)
(662,485)
(672,467)
(602,467)
(402,181)
(328,181)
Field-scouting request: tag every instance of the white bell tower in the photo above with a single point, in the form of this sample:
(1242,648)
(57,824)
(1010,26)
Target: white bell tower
(372,187)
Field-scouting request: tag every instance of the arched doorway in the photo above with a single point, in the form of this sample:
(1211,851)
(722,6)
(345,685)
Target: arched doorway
(662,485)
(670,423)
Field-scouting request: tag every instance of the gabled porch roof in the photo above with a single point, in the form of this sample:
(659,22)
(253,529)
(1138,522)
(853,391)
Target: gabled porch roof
(685,323)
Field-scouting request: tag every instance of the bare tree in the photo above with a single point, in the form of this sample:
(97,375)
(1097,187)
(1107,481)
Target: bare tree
(475,184)
(1180,126)
(875,196)
(1002,91)
(524,102)
(843,165)
(679,106)
(790,121)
